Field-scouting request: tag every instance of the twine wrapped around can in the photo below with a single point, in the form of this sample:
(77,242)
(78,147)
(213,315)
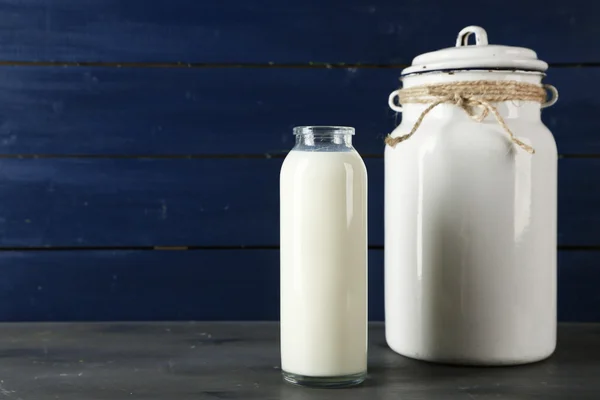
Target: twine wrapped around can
(476,98)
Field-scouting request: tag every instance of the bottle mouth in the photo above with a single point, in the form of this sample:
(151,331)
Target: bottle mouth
(323,130)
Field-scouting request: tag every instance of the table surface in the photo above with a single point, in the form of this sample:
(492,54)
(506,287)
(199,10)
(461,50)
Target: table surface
(240,360)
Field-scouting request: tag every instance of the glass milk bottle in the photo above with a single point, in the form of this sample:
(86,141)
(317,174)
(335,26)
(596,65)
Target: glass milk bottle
(324,259)
(470,208)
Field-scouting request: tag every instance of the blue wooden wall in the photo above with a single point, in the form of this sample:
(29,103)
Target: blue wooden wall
(140,141)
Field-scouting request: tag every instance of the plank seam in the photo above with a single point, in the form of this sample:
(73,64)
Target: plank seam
(198,156)
(180,65)
(192,248)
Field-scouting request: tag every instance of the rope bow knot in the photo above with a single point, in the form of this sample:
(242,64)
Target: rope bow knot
(470,97)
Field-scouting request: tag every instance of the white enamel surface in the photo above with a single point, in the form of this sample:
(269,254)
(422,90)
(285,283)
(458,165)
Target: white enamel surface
(470,234)
(478,55)
(478,32)
(323,263)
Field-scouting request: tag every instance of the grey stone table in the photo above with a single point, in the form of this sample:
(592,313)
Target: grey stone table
(173,361)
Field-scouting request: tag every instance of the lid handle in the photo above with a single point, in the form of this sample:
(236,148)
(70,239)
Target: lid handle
(481,38)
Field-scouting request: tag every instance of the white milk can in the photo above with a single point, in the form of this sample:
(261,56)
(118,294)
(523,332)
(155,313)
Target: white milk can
(470,208)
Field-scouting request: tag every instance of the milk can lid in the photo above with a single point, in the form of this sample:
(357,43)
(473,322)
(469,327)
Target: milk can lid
(476,56)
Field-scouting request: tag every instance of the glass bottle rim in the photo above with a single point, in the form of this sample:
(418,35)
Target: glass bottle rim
(323,130)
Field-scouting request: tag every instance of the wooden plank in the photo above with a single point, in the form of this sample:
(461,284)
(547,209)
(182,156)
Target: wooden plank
(140,285)
(229,111)
(202,202)
(578,294)
(129,202)
(237,31)
(202,285)
(579,198)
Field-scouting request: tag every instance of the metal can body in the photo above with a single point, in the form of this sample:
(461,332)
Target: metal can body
(470,232)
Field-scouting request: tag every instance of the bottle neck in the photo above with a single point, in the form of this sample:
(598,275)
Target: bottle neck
(317,138)
(334,142)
